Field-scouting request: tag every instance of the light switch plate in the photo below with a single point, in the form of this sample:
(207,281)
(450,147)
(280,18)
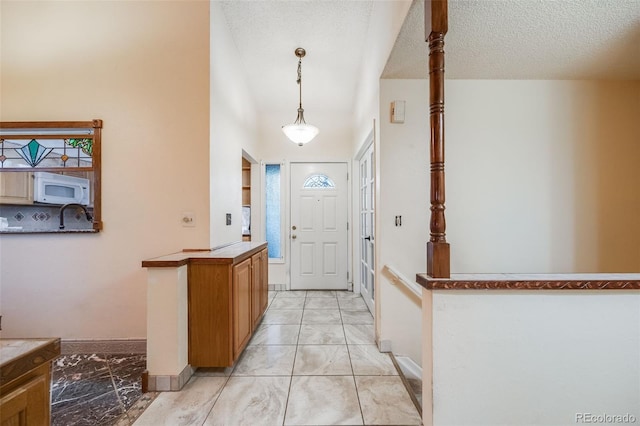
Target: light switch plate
(188,219)
(228,218)
(397,111)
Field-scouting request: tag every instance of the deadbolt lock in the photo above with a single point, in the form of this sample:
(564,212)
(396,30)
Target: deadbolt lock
(294,227)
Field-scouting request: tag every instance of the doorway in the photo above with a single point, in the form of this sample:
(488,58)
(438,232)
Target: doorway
(318,234)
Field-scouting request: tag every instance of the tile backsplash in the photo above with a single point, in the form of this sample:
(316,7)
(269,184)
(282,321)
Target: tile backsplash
(43,217)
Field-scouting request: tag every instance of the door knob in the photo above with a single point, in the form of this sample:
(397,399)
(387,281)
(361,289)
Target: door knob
(293,237)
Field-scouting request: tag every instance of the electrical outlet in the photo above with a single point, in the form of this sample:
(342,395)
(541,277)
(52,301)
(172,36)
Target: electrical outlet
(228,218)
(188,219)
(398,220)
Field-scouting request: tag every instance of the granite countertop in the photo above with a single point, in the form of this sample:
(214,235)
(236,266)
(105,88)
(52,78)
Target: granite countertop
(228,254)
(629,281)
(19,356)
(49,231)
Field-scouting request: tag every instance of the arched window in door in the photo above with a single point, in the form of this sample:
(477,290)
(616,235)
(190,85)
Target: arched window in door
(318,181)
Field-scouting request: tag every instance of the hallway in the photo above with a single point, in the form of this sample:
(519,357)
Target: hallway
(312,361)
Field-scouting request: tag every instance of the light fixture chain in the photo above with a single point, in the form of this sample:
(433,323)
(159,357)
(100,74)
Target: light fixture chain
(300,80)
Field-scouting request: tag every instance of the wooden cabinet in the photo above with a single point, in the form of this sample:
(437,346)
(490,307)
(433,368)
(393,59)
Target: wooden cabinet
(227,299)
(259,287)
(28,404)
(16,188)
(25,381)
(241,293)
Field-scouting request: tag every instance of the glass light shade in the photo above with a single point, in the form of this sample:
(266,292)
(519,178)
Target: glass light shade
(300,133)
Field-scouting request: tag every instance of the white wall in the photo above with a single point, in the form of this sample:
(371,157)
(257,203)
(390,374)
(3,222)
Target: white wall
(543,176)
(142,67)
(331,145)
(403,191)
(233,128)
(386,21)
(534,358)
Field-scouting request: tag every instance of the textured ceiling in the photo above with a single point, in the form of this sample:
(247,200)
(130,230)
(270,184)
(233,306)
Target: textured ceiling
(487,39)
(333,33)
(527,39)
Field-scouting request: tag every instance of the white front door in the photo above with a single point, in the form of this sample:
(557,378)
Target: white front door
(367,237)
(318,231)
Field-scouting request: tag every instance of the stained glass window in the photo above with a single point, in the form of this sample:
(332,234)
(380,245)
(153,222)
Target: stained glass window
(273,222)
(318,181)
(45,150)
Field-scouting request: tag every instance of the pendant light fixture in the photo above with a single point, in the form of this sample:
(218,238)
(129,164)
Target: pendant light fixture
(300,132)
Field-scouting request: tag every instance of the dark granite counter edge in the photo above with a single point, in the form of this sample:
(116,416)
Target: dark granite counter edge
(52,231)
(525,284)
(14,368)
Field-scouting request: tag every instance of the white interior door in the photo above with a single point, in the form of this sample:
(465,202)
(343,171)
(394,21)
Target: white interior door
(318,231)
(367,237)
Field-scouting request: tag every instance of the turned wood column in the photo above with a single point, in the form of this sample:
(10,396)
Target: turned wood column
(436,24)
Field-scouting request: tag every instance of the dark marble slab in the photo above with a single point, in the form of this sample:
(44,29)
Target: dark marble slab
(95,389)
(101,410)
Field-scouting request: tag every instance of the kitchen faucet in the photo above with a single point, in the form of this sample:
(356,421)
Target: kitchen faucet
(62,209)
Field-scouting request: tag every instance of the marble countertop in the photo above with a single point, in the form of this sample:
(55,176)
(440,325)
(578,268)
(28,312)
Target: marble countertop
(228,254)
(531,282)
(18,356)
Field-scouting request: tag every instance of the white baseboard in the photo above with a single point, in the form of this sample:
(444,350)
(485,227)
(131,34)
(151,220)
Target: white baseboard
(409,367)
(384,345)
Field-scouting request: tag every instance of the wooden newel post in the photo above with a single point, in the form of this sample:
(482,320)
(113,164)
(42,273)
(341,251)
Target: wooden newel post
(436,24)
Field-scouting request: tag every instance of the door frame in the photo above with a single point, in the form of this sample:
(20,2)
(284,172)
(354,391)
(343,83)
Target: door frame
(355,187)
(350,221)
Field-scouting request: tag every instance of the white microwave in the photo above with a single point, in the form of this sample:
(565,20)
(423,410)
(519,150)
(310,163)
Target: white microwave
(51,188)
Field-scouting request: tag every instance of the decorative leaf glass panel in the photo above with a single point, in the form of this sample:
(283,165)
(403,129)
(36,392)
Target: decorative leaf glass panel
(273,222)
(318,181)
(46,152)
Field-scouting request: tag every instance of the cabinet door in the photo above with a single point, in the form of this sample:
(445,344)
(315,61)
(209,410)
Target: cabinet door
(242,323)
(27,404)
(16,187)
(264,280)
(256,289)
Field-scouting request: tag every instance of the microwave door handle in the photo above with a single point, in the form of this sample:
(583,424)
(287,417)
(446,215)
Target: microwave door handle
(81,192)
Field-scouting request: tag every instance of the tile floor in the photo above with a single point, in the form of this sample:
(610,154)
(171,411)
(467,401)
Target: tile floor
(312,361)
(95,389)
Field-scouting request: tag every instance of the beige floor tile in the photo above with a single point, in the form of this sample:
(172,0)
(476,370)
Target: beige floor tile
(287,303)
(213,371)
(321,316)
(321,293)
(356,317)
(282,316)
(323,400)
(266,361)
(322,360)
(321,303)
(347,295)
(360,334)
(353,304)
(385,401)
(275,334)
(251,401)
(321,334)
(367,360)
(187,407)
(292,293)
